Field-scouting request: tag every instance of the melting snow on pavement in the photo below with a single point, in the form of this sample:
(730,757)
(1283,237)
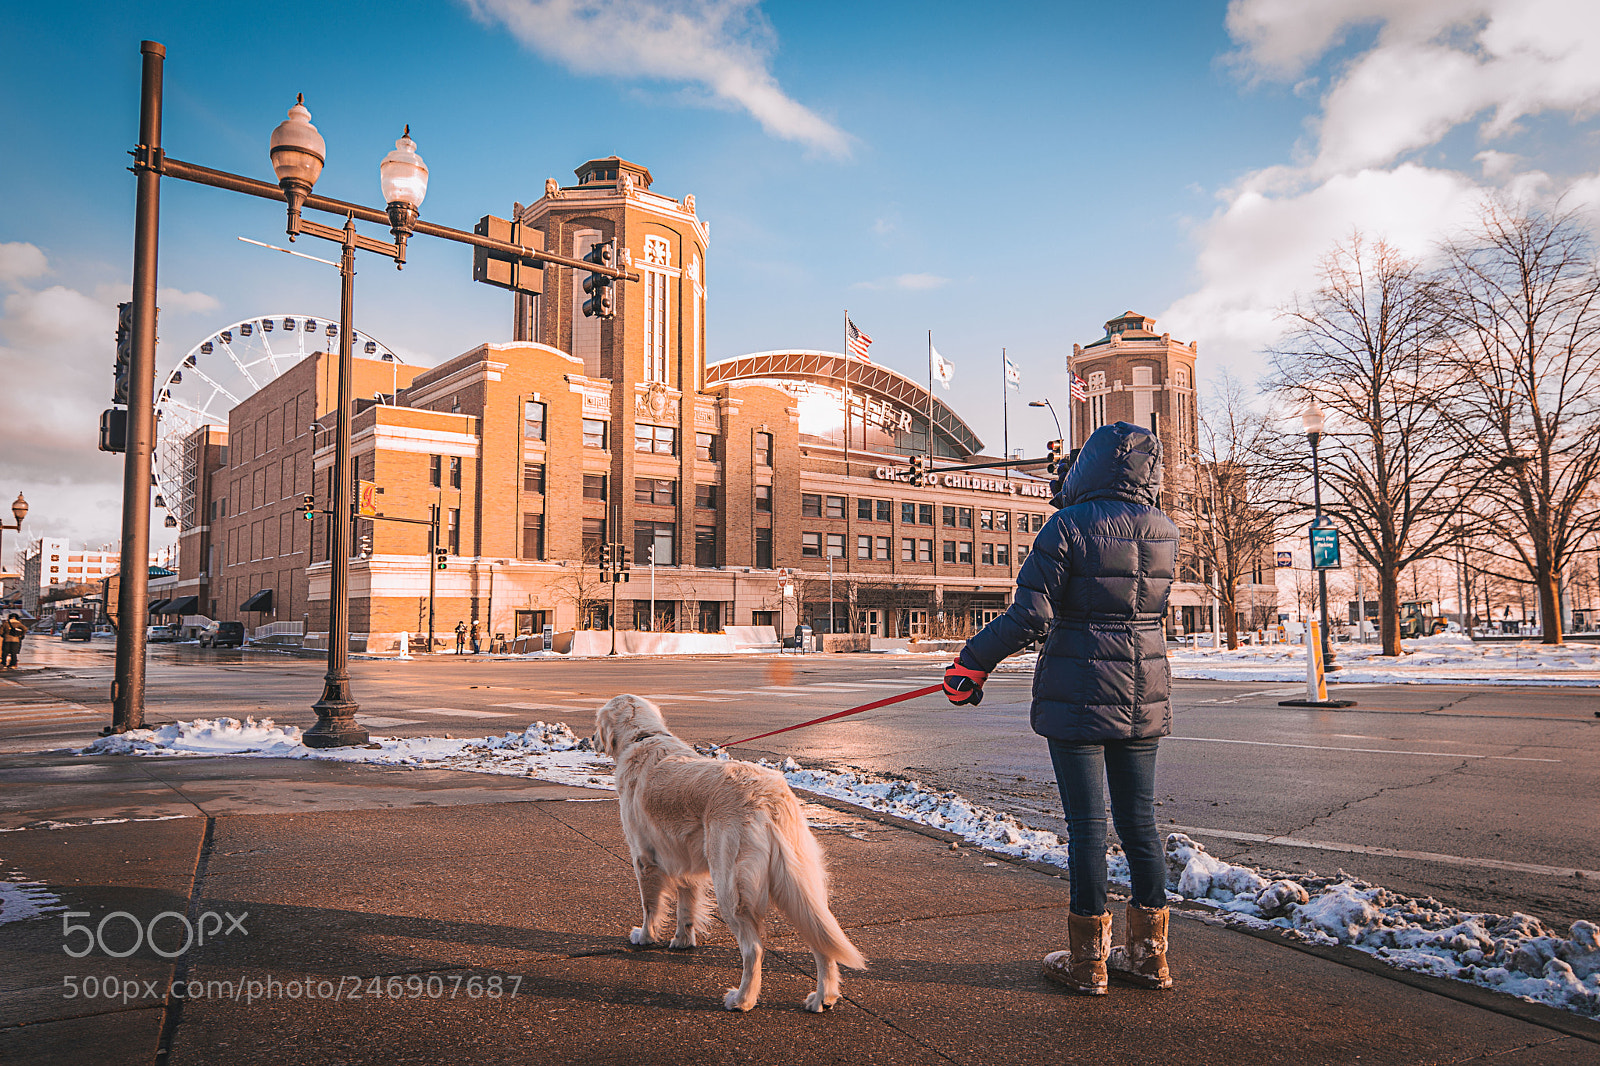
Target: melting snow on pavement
(1446,658)
(1515,955)
(22,900)
(548,752)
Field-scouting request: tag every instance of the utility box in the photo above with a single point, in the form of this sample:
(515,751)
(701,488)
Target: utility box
(802,638)
(549,637)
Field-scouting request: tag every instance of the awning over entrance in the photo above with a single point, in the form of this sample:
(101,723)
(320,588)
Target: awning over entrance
(182,605)
(261,601)
(159,606)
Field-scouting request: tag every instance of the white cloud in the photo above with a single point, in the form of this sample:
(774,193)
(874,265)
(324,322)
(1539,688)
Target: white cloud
(20,260)
(1431,67)
(720,46)
(178,302)
(905,282)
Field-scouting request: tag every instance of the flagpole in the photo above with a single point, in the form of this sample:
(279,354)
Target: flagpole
(846,393)
(930,395)
(1005,409)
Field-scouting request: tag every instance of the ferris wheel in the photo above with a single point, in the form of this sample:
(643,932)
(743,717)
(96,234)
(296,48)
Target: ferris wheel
(214,376)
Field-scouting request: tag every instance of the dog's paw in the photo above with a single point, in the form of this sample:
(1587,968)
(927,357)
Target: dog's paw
(684,942)
(816,1004)
(639,937)
(733,1001)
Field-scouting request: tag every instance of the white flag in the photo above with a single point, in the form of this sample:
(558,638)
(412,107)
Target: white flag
(943,369)
(1013,375)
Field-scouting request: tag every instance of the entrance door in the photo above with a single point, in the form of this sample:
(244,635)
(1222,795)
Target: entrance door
(532,623)
(982,616)
(872,621)
(710,617)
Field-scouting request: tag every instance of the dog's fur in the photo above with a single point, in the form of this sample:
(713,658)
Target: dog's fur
(690,819)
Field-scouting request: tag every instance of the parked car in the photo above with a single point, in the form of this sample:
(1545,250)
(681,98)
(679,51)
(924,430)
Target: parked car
(78,631)
(222,634)
(163,634)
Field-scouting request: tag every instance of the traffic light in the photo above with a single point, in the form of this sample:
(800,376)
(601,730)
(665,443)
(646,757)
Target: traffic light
(601,302)
(626,559)
(122,372)
(366,544)
(308,505)
(920,472)
(441,559)
(1058,452)
(114,430)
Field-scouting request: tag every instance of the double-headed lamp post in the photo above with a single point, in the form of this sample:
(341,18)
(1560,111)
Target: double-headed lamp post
(1312,420)
(298,153)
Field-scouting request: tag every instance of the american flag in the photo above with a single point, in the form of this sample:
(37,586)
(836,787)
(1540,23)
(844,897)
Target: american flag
(1080,390)
(859,342)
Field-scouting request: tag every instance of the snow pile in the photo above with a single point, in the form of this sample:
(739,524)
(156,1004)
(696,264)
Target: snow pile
(1447,657)
(1515,954)
(22,900)
(549,752)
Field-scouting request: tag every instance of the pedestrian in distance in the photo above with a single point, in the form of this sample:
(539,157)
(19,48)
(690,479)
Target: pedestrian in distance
(475,644)
(11,634)
(1093,592)
(461,636)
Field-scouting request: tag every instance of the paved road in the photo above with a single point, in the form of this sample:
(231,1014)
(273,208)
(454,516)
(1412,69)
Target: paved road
(1480,797)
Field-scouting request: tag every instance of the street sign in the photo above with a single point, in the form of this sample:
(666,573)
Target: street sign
(1325,548)
(500,269)
(1285,560)
(367,499)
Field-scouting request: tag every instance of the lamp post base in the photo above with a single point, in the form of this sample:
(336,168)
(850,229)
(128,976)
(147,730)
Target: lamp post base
(336,720)
(1325,704)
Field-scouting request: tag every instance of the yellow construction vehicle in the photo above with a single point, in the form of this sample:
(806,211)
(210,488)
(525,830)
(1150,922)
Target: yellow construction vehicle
(1418,620)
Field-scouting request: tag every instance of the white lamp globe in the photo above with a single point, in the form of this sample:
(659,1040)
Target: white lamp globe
(402,174)
(297,149)
(1312,420)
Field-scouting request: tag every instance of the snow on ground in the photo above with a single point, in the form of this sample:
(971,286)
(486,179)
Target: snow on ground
(549,752)
(22,900)
(1515,955)
(1448,657)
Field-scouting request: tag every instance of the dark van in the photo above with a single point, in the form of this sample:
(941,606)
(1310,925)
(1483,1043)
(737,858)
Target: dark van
(222,635)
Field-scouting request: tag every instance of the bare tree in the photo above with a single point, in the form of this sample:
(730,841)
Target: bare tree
(1364,346)
(579,584)
(1235,527)
(1523,297)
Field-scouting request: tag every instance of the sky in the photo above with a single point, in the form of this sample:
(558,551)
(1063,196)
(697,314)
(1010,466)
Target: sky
(1005,177)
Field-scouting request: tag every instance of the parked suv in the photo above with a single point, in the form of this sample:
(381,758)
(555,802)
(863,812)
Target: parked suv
(222,634)
(77,631)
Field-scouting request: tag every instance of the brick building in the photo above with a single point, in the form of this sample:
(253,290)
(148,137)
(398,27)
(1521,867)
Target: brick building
(1146,378)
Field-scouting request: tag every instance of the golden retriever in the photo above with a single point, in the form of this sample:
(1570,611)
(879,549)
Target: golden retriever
(690,819)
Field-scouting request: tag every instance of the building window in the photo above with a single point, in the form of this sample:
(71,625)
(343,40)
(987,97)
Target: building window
(705,546)
(764,498)
(659,536)
(1022,554)
(948,515)
(533,536)
(908,550)
(964,517)
(864,509)
(594,486)
(885,510)
(594,539)
(884,544)
(436,470)
(908,514)
(836,506)
(985,519)
(1002,521)
(924,514)
(705,497)
(763,618)
(810,506)
(655,327)
(533,420)
(810,545)
(663,440)
(455,471)
(453,531)
(949,551)
(532,478)
(653,490)
(1002,555)
(705,447)
(965,553)
(1097,399)
(1038,522)
(863,547)
(987,554)
(836,545)
(594,433)
(763,449)
(924,551)
(764,549)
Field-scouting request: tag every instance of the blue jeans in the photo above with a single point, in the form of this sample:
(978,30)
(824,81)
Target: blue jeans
(1129,766)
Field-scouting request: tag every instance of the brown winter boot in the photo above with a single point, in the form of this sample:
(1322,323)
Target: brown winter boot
(1082,967)
(1143,963)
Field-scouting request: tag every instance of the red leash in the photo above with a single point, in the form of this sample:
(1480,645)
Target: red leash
(843,714)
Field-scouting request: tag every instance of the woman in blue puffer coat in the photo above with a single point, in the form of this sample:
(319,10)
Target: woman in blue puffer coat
(1093,591)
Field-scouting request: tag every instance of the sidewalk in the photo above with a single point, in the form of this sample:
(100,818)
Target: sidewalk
(463,883)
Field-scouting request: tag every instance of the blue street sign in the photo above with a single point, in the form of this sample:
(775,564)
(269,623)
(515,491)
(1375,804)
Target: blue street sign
(1285,560)
(1325,548)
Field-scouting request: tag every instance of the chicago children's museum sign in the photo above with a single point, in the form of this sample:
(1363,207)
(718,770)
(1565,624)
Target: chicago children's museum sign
(956,480)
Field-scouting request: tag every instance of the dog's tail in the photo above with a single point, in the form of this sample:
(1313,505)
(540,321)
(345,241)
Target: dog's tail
(799,880)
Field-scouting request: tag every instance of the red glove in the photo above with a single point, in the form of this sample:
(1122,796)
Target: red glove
(963,685)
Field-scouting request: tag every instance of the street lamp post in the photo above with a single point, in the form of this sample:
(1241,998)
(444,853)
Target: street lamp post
(19,511)
(298,154)
(1046,403)
(1312,420)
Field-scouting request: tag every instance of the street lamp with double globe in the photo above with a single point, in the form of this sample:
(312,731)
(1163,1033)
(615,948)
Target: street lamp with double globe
(1313,422)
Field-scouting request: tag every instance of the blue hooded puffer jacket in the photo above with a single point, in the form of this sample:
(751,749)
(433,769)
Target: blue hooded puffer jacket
(1094,590)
